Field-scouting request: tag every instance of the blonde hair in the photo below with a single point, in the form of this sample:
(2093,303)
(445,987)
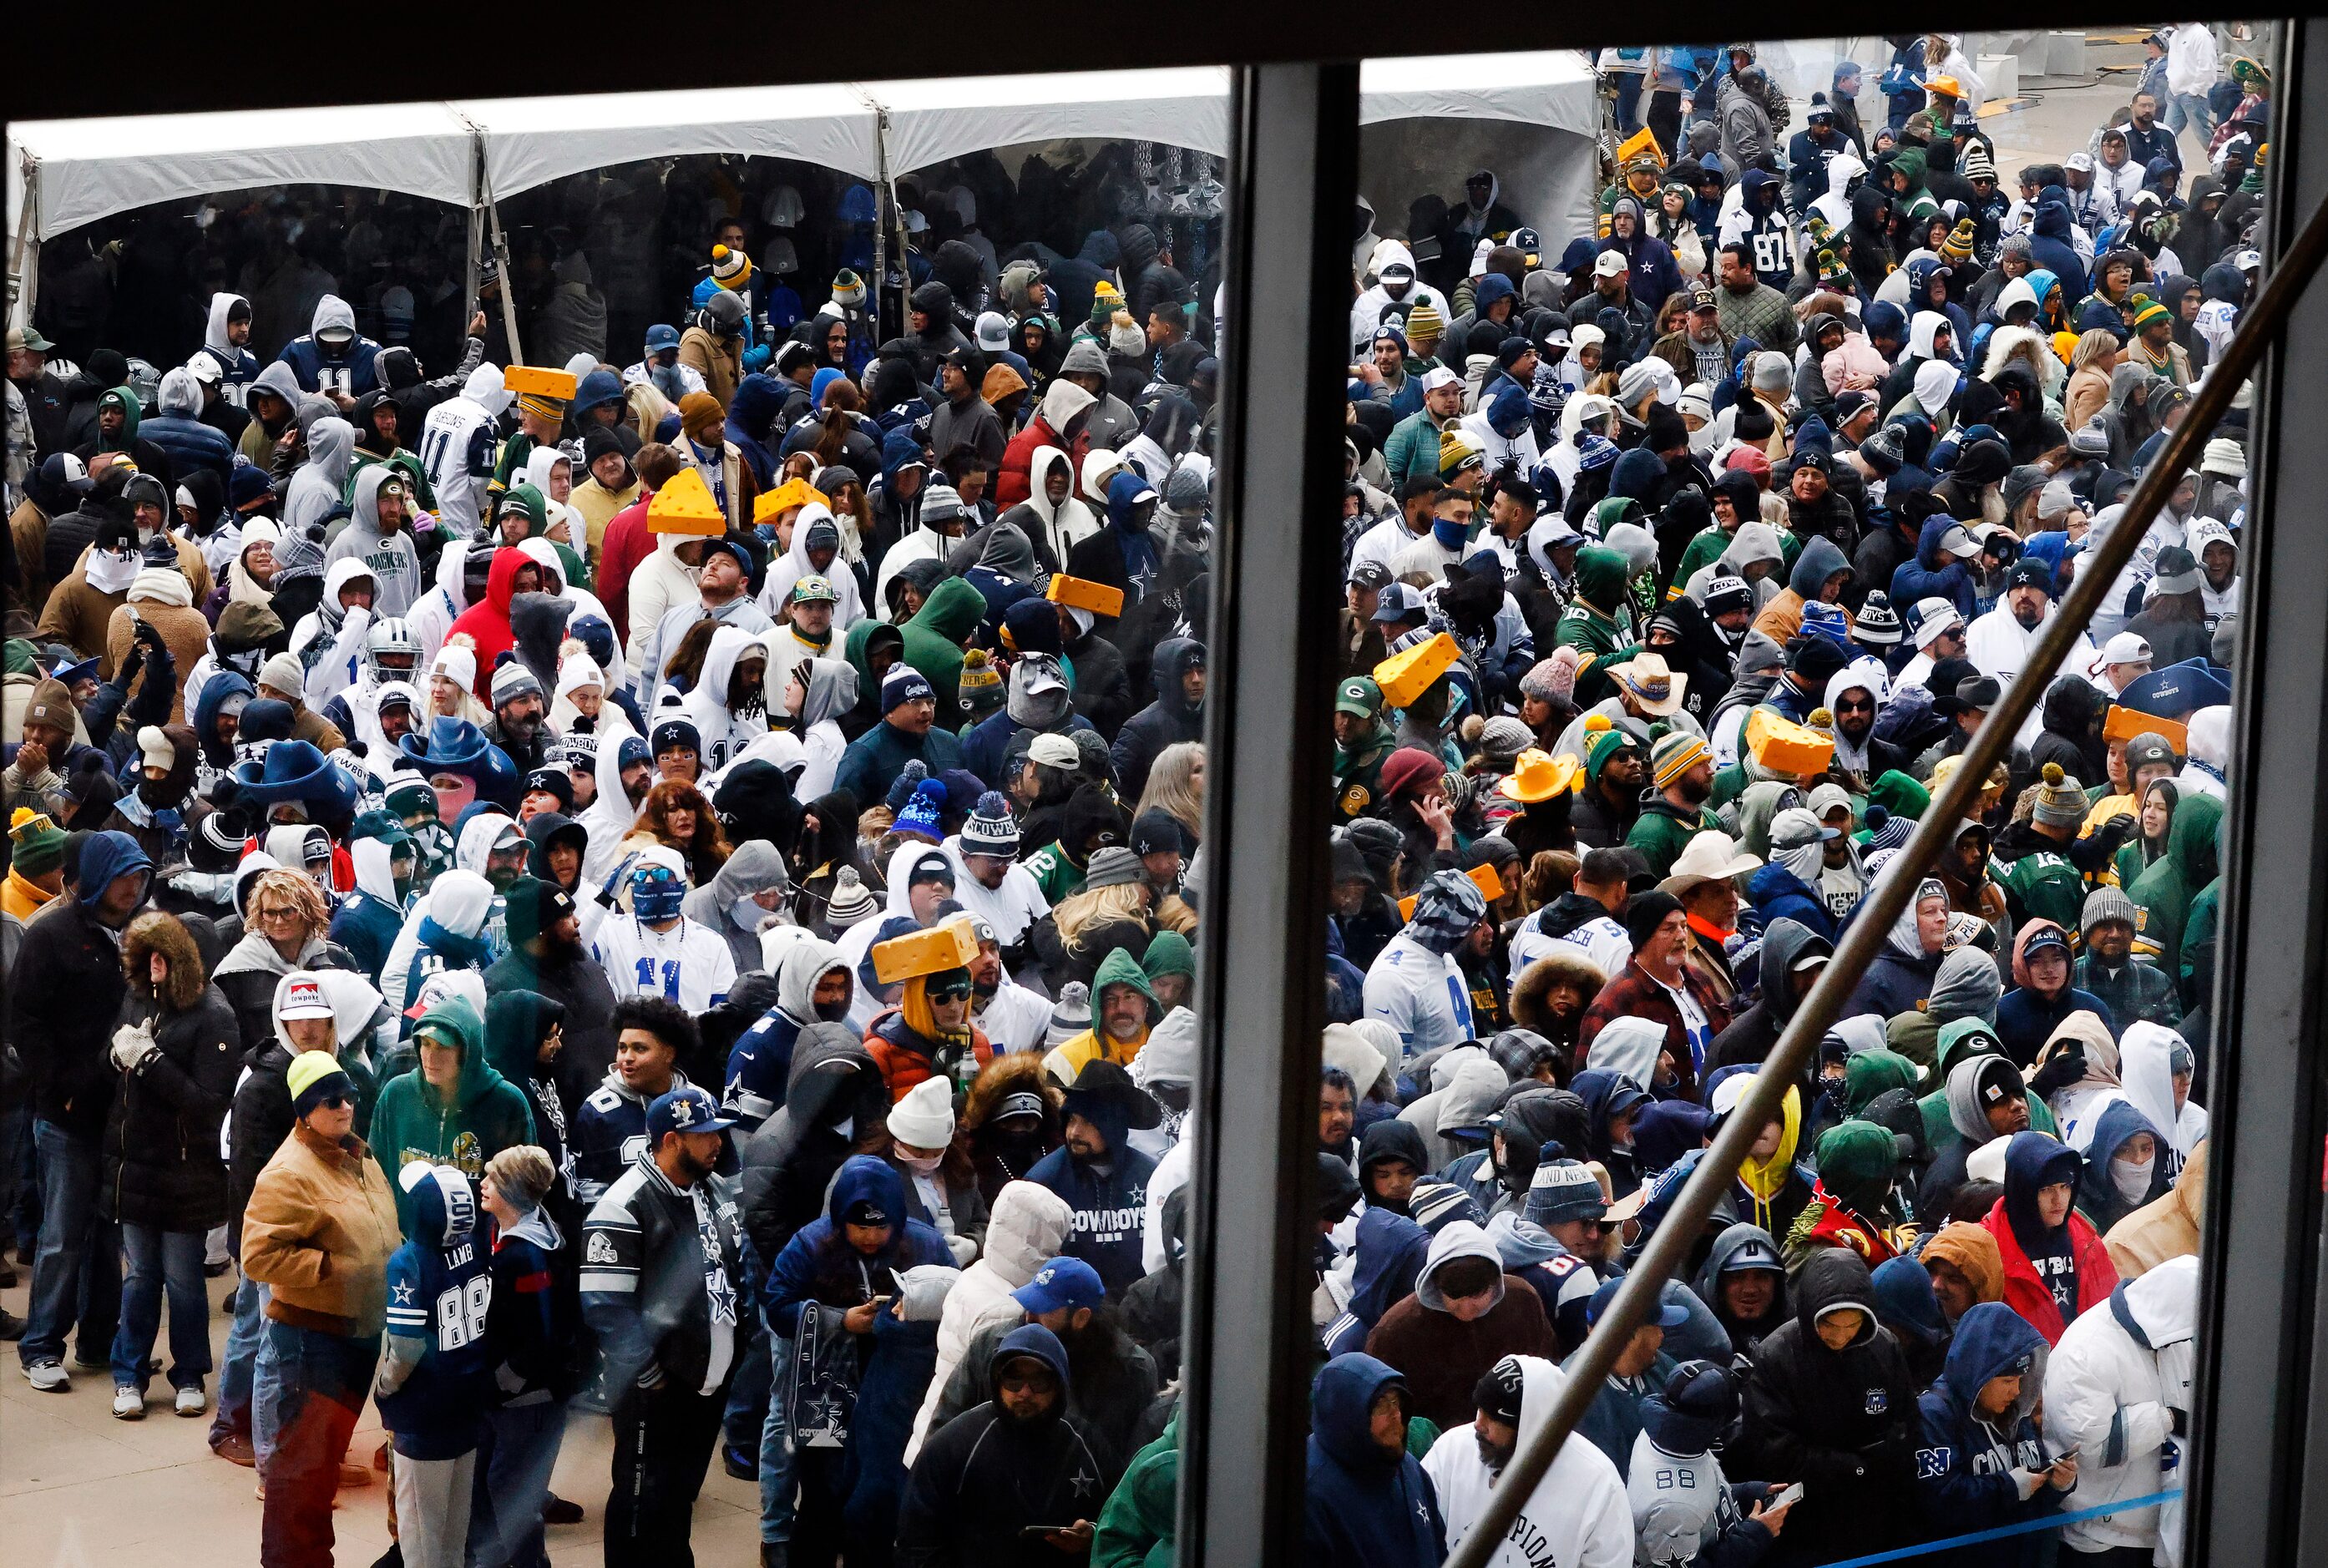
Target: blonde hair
(1079,912)
(523,1173)
(295,888)
(1174,789)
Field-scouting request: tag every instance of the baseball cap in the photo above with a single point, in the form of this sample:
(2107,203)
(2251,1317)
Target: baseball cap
(814,589)
(1667,1316)
(1369,575)
(1751,1255)
(687,1108)
(2126,648)
(28,337)
(1398,601)
(300,995)
(661,337)
(1699,298)
(1439,376)
(1061,1283)
(1958,542)
(1358,695)
(1609,264)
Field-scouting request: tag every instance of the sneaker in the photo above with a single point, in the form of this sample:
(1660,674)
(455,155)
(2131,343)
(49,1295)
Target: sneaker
(557,1510)
(192,1401)
(236,1449)
(49,1376)
(214,1271)
(354,1475)
(128,1403)
(737,1463)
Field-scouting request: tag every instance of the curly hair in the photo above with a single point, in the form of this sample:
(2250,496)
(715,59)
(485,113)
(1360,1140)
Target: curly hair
(675,794)
(295,888)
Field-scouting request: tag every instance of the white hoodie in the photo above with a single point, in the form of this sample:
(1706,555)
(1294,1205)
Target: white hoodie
(458,441)
(2111,1395)
(1578,1516)
(2145,1071)
(1027,1226)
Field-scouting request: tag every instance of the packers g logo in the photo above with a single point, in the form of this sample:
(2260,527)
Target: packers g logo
(1356,798)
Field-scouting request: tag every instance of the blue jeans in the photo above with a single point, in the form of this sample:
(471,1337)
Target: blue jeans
(2191,110)
(322,1380)
(513,1464)
(776,1443)
(76,1273)
(160,1258)
(1629,103)
(236,1379)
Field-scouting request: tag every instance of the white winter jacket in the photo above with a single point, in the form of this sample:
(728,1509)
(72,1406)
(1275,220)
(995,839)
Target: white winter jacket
(2111,1386)
(1027,1226)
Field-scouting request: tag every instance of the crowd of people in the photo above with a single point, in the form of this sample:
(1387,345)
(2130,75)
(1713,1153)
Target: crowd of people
(673,890)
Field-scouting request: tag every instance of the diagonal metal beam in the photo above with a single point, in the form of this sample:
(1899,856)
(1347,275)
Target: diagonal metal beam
(2260,325)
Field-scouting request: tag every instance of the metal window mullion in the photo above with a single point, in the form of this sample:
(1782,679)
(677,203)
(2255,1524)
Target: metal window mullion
(1292,187)
(2259,1373)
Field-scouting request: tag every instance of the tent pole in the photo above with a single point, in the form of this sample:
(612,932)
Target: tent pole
(885,203)
(501,260)
(476,219)
(24,263)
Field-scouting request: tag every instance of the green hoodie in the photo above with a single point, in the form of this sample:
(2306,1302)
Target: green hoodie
(125,399)
(2163,895)
(487,1112)
(1961,1038)
(1916,202)
(936,635)
(1871,1072)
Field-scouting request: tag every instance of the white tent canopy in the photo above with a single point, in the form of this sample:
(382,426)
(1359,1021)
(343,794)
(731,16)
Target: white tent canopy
(531,141)
(89,169)
(1552,87)
(932,120)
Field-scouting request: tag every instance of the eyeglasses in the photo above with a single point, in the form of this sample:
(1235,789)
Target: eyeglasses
(274,912)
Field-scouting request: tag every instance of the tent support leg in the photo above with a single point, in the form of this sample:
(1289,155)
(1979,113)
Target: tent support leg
(501,260)
(477,223)
(25,261)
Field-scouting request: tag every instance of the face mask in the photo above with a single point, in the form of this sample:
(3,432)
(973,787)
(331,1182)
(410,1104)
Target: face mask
(920,1164)
(831,1013)
(748,914)
(2132,1178)
(1449,533)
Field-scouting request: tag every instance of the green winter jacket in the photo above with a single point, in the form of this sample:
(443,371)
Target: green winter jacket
(487,1112)
(1663,828)
(2163,895)
(939,631)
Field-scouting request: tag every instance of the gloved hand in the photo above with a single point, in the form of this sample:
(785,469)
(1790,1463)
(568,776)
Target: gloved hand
(2060,1071)
(132,1047)
(611,890)
(964,1250)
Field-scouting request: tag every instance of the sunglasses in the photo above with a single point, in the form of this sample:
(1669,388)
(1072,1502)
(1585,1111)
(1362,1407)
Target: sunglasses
(953,991)
(333,1102)
(1848,706)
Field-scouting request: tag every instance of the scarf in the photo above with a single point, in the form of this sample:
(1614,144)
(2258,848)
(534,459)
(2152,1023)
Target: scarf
(112,571)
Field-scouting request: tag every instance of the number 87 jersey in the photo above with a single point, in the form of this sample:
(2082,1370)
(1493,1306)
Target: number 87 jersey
(435,1366)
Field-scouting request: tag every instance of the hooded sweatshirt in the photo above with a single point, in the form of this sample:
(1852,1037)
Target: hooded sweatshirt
(1365,1505)
(1964,1459)
(483,1114)
(437,1362)
(2112,1384)
(1443,1359)
(1578,1513)
(314,495)
(2053,1274)
(390,559)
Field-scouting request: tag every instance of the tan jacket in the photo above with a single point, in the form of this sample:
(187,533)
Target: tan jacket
(2166,1228)
(719,361)
(319,1230)
(185,632)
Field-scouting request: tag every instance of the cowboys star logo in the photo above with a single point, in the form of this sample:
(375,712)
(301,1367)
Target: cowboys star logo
(404,1295)
(1084,1482)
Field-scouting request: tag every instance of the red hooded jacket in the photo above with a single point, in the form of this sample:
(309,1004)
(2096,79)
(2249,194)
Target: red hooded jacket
(487,625)
(2028,1295)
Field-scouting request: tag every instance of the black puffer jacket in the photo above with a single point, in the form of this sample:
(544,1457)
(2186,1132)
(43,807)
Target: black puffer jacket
(790,1162)
(1170,718)
(161,1166)
(1841,1422)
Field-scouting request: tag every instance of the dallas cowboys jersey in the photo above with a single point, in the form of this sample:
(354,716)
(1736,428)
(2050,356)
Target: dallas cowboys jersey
(456,448)
(690,964)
